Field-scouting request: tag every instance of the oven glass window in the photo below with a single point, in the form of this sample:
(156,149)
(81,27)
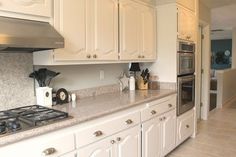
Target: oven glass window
(186,62)
(187,92)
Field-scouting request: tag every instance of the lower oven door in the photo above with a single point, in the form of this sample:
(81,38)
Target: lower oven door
(186,93)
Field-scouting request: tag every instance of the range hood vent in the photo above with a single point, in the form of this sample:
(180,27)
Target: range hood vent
(28,36)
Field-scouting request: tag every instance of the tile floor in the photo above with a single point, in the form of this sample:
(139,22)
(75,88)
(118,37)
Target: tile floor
(216,137)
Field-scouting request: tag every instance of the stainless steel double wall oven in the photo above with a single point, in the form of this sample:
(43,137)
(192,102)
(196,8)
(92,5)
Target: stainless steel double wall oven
(186,77)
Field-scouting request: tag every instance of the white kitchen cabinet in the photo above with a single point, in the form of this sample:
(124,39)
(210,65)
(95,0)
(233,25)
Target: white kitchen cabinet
(185,126)
(72,154)
(186,24)
(158,133)
(123,144)
(168,131)
(189,4)
(29,7)
(137,31)
(151,138)
(90,29)
(41,146)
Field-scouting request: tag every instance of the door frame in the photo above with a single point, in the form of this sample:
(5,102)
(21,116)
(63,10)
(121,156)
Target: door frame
(203,71)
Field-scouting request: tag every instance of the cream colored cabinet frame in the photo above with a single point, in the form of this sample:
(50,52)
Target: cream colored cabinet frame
(23,8)
(137,31)
(124,144)
(90,29)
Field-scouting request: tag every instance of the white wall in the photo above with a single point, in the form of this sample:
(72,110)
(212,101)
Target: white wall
(226,86)
(75,77)
(204,13)
(165,65)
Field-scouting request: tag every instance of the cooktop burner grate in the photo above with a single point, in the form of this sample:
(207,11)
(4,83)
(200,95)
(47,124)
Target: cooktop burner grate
(27,117)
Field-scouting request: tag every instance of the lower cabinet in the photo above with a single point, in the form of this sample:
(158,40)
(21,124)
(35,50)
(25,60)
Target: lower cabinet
(158,135)
(124,144)
(185,126)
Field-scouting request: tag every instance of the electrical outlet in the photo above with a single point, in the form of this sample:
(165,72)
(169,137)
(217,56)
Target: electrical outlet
(102,75)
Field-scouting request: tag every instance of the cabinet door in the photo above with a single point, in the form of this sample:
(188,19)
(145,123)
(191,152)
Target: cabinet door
(148,33)
(103,148)
(129,143)
(102,29)
(151,138)
(73,154)
(168,131)
(129,30)
(186,24)
(30,7)
(70,22)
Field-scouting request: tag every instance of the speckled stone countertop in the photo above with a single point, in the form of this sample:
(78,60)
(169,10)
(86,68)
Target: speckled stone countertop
(91,108)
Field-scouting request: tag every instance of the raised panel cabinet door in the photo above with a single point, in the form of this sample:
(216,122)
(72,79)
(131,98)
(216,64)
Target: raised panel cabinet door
(168,131)
(70,22)
(30,7)
(151,138)
(103,148)
(102,27)
(148,33)
(73,154)
(129,30)
(129,143)
(182,23)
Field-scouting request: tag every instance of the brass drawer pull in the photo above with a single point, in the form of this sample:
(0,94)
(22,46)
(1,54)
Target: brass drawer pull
(88,56)
(153,112)
(113,141)
(129,121)
(98,133)
(118,139)
(49,151)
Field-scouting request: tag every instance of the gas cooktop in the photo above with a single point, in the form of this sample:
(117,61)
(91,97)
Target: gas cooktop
(24,118)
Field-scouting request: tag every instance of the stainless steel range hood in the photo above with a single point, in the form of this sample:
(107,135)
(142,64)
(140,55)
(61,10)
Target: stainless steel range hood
(28,36)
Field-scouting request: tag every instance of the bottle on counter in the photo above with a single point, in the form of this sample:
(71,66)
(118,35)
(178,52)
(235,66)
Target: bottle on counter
(131,83)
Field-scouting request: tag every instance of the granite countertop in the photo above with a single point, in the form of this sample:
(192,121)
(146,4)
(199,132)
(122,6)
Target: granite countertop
(91,108)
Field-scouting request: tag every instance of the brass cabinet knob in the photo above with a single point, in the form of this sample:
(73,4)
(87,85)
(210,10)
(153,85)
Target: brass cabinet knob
(187,126)
(113,141)
(164,118)
(88,56)
(95,56)
(153,112)
(139,56)
(118,139)
(160,119)
(143,56)
(170,105)
(49,151)
(129,121)
(98,133)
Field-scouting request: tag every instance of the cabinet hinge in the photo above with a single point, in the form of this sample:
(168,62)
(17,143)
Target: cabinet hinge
(202,71)
(202,36)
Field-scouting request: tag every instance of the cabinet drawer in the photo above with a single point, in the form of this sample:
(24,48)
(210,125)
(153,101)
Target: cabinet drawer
(185,126)
(158,107)
(61,145)
(106,128)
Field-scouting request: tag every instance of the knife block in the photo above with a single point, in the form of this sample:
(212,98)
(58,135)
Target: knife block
(44,96)
(141,84)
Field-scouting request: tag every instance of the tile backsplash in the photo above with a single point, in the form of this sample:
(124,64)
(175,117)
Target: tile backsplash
(16,88)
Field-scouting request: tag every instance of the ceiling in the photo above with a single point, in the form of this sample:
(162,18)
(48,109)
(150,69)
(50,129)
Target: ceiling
(223,16)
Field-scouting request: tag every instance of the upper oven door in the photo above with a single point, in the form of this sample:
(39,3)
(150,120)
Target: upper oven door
(185,63)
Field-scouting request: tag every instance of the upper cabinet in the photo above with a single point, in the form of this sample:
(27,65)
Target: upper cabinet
(90,29)
(189,4)
(41,8)
(186,24)
(137,31)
